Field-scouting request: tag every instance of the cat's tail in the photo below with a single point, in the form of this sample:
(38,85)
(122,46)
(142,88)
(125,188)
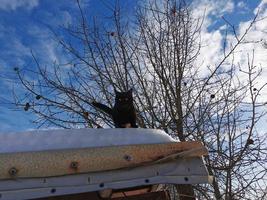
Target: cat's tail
(102,107)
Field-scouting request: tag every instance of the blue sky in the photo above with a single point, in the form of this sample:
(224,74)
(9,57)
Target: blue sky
(23,28)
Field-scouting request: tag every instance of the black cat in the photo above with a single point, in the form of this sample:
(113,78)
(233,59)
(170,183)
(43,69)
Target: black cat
(123,113)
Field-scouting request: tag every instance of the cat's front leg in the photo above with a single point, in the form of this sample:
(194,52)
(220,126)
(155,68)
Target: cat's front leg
(102,107)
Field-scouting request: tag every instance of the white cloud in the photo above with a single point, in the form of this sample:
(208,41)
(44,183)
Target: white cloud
(243,7)
(212,40)
(14,4)
(213,7)
(256,34)
(263,2)
(241,4)
(261,7)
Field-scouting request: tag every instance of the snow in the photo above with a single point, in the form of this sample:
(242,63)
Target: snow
(40,140)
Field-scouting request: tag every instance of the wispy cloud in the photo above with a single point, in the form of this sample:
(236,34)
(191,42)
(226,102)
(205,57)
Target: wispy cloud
(16,44)
(241,4)
(11,5)
(262,4)
(217,8)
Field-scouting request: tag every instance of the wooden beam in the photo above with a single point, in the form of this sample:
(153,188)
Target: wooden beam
(76,161)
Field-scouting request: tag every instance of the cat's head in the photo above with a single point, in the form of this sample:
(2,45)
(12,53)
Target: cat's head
(124,97)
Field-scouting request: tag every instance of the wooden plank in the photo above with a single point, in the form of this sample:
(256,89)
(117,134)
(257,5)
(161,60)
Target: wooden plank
(132,191)
(75,161)
(188,153)
(160,195)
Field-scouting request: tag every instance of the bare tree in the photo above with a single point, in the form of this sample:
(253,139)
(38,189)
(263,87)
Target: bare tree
(156,54)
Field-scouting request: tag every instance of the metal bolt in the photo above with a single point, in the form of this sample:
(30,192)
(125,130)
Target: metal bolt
(53,190)
(127,157)
(13,171)
(74,165)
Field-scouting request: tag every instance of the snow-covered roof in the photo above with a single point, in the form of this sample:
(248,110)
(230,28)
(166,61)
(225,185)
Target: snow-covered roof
(39,140)
(125,161)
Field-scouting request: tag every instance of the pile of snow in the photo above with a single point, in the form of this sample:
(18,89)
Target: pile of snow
(39,140)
